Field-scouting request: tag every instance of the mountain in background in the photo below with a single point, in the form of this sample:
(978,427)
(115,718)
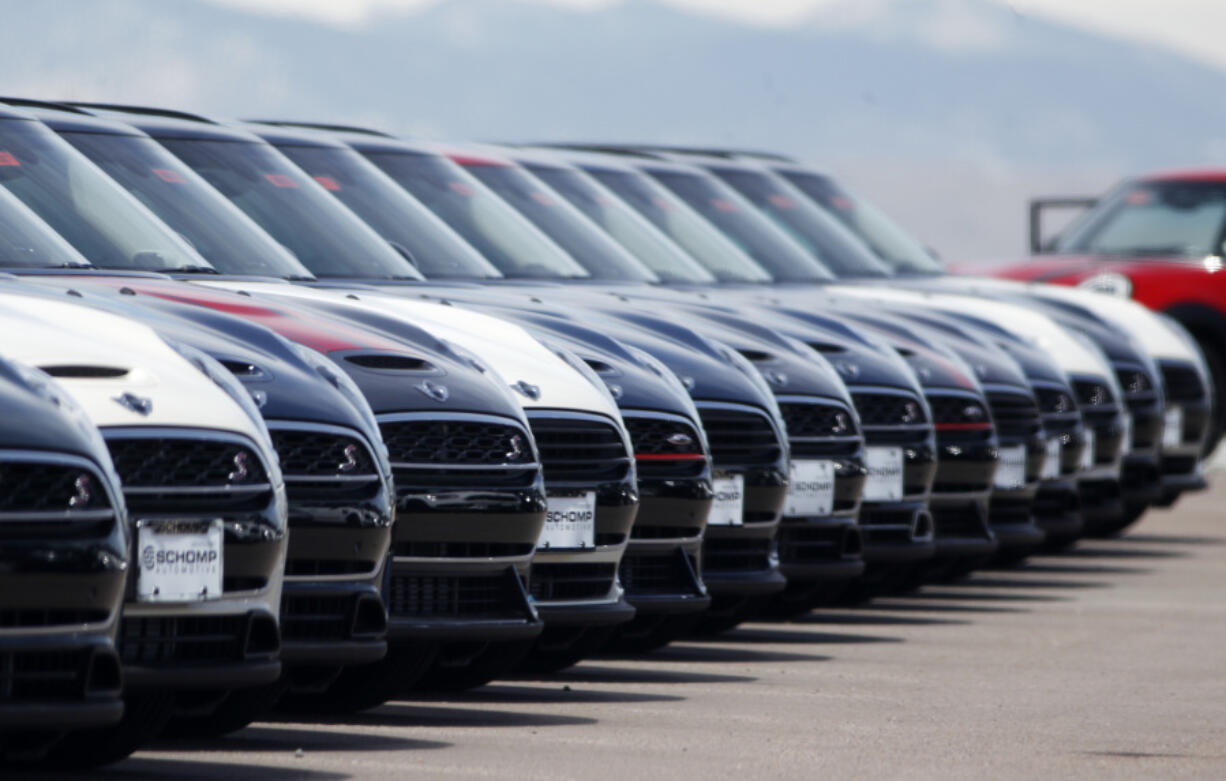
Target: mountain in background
(949,113)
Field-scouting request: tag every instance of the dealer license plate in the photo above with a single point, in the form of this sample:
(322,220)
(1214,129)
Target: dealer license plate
(810,489)
(1011,470)
(884,483)
(728,508)
(179,560)
(570,522)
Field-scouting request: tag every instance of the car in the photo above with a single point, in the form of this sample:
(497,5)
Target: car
(338,479)
(202,484)
(65,558)
(1164,341)
(516,356)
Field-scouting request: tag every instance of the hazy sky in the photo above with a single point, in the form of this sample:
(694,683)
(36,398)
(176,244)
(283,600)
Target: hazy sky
(1196,28)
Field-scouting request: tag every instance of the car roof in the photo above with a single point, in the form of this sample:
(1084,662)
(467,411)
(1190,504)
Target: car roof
(168,123)
(288,135)
(1186,175)
(64,117)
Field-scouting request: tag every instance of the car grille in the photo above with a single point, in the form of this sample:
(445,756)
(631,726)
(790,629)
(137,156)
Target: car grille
(1139,391)
(739,437)
(883,409)
(429,454)
(34,488)
(673,573)
(43,674)
(735,554)
(1182,383)
(181,639)
(13,618)
(816,429)
(319,465)
(799,543)
(657,457)
(1097,403)
(579,449)
(499,596)
(1016,415)
(187,474)
(558,582)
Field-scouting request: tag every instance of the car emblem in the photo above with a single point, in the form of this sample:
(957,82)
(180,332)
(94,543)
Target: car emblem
(615,390)
(910,412)
(260,398)
(776,377)
(687,381)
(848,369)
(680,440)
(82,492)
(528,389)
(841,422)
(434,390)
(148,557)
(240,472)
(351,459)
(517,448)
(138,404)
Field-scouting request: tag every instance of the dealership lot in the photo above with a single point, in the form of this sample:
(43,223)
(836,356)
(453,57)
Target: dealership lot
(1105,662)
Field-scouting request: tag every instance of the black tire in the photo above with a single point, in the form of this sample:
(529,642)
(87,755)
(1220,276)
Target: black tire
(560,647)
(369,685)
(494,661)
(144,717)
(237,710)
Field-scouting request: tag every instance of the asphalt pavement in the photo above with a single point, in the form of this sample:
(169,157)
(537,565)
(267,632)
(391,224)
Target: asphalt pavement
(1108,662)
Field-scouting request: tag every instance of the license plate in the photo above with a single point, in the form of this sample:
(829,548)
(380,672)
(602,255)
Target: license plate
(570,522)
(1126,436)
(884,483)
(1011,470)
(1088,455)
(1051,461)
(1172,427)
(728,509)
(180,561)
(810,489)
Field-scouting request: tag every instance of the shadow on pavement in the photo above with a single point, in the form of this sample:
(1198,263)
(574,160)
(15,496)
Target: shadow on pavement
(918,604)
(262,738)
(1170,539)
(550,693)
(863,617)
(590,673)
(1066,567)
(187,769)
(798,635)
(956,594)
(1024,582)
(415,715)
(1119,552)
(724,654)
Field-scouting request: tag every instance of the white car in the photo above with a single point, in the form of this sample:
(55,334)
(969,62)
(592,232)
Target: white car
(207,502)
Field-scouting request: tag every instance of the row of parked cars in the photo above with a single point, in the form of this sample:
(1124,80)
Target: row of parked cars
(312,417)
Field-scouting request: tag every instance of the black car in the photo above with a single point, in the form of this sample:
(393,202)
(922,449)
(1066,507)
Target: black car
(63,567)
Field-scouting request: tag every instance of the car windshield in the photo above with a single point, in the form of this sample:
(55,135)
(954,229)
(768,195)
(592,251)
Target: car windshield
(593,249)
(84,205)
(28,242)
(296,210)
(893,245)
(1174,218)
(682,224)
(840,251)
(219,231)
(435,249)
(783,258)
(502,236)
(629,228)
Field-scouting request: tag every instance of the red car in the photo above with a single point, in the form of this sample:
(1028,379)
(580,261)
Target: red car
(1159,239)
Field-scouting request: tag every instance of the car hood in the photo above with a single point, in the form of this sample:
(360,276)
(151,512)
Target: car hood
(544,379)
(130,361)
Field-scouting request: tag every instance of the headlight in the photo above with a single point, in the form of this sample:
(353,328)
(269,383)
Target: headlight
(223,379)
(1110,283)
(336,377)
